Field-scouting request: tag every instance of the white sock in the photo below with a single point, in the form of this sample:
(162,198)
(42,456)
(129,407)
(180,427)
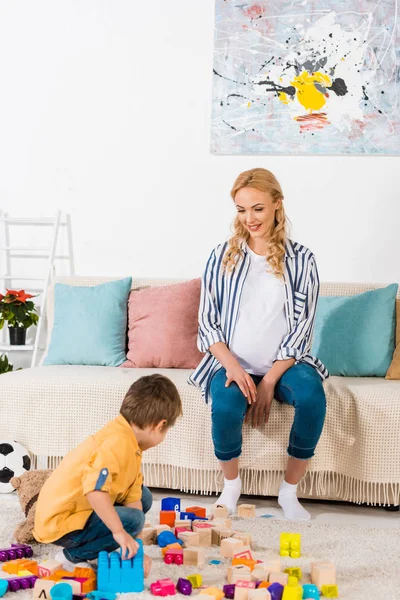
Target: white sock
(287,499)
(231,493)
(67,564)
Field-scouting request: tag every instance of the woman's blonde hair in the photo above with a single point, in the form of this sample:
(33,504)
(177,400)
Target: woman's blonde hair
(264,181)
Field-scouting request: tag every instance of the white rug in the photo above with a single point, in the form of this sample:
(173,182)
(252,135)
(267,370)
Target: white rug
(367,559)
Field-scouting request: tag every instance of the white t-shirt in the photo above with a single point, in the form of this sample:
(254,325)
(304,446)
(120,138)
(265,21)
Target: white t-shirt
(261,323)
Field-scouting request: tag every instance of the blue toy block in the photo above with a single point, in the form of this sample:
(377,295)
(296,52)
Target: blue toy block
(186,516)
(310,591)
(120,576)
(3,587)
(171,504)
(96,595)
(166,538)
(276,591)
(61,591)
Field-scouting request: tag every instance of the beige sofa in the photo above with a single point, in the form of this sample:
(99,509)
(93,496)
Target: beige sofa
(51,409)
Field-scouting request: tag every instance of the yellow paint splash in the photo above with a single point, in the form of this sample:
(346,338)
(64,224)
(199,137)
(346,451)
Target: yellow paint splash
(306,92)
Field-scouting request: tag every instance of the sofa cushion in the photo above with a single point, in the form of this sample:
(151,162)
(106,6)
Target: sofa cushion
(163,326)
(355,335)
(394,369)
(89,324)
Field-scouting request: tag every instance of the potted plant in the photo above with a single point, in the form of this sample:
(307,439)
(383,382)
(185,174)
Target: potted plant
(5,366)
(19,312)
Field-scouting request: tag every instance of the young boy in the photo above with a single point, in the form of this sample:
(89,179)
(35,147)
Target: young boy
(95,500)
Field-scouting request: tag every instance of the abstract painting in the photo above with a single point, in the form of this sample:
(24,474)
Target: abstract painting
(306,77)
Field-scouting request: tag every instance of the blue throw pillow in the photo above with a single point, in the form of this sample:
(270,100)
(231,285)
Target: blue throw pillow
(90,324)
(354,336)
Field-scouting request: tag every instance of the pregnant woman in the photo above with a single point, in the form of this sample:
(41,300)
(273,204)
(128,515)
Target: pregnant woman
(258,298)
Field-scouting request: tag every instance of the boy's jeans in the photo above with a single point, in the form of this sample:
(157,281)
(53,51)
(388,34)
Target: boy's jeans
(85,544)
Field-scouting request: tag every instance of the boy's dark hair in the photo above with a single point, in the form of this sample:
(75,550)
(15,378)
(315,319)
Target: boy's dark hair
(151,399)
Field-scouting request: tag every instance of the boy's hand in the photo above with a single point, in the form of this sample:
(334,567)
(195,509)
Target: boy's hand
(129,546)
(147,565)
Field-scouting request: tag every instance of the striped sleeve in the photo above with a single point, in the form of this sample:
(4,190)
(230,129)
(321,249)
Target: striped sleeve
(209,332)
(297,343)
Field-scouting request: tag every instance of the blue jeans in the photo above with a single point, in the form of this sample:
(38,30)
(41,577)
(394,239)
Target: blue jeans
(301,387)
(85,544)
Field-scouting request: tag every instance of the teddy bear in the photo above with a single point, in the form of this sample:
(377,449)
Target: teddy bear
(28,487)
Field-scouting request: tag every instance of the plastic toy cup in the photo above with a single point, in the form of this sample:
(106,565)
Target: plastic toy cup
(3,587)
(61,591)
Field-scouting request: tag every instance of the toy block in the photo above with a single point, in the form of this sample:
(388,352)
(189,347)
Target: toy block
(214,592)
(3,587)
(184,586)
(290,544)
(264,584)
(217,535)
(21,564)
(61,591)
(276,591)
(259,573)
(48,567)
(149,536)
(174,556)
(246,511)
(15,551)
(205,533)
(183,523)
(273,565)
(171,504)
(238,573)
(294,572)
(184,516)
(323,573)
(24,574)
(198,511)
(163,587)
(310,591)
(243,553)
(230,546)
(167,517)
(259,594)
(204,596)
(20,583)
(242,589)
(75,584)
(41,590)
(229,590)
(194,556)
(281,578)
(292,590)
(117,575)
(161,528)
(166,538)
(330,591)
(251,563)
(222,523)
(189,538)
(245,537)
(169,548)
(219,511)
(196,580)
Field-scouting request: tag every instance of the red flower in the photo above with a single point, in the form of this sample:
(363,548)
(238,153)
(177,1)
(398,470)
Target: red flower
(19,296)
(1,297)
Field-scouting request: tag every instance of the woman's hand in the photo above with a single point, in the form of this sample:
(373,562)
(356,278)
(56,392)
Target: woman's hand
(147,565)
(246,384)
(128,544)
(259,414)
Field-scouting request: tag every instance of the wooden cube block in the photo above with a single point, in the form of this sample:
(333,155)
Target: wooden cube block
(281,578)
(238,573)
(161,528)
(259,573)
(199,511)
(220,534)
(222,523)
(243,552)
(205,533)
(194,556)
(273,565)
(48,567)
(219,511)
(189,538)
(246,511)
(167,517)
(243,588)
(323,573)
(245,537)
(183,523)
(215,592)
(229,546)
(259,594)
(149,536)
(41,590)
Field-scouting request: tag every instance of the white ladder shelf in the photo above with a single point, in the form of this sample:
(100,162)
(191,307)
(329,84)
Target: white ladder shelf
(33,252)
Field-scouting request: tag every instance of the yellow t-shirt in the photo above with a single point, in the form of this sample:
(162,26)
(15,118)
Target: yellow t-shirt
(108,461)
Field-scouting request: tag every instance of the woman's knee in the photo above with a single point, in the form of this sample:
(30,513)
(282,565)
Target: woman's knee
(228,403)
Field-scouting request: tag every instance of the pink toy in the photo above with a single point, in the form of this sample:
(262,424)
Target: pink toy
(174,556)
(163,587)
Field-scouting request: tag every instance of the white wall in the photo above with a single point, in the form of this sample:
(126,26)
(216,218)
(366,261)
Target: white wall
(105,112)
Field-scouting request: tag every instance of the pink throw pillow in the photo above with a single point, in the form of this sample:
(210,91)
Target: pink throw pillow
(163,325)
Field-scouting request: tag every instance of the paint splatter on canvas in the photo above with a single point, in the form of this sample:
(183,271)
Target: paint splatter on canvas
(306,77)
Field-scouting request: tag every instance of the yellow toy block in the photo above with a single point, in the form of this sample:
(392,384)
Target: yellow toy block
(294,572)
(293,590)
(330,591)
(290,544)
(214,592)
(196,580)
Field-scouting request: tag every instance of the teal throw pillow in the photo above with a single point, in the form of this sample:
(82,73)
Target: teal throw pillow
(354,336)
(90,324)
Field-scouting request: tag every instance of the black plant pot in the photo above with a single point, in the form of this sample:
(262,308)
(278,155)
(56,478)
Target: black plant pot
(17,336)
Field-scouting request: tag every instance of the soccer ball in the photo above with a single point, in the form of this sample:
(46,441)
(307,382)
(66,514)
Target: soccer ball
(14,461)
